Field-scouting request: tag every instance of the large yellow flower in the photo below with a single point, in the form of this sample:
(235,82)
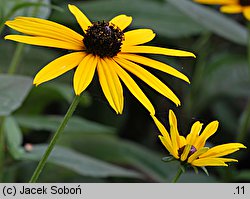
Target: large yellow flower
(231,6)
(191,150)
(102,46)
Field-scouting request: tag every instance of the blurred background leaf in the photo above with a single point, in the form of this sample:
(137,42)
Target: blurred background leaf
(212,20)
(51,122)
(125,148)
(13,90)
(157,15)
(79,163)
(13,8)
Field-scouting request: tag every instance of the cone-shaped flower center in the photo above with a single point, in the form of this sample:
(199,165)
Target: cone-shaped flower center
(191,152)
(244,2)
(103,39)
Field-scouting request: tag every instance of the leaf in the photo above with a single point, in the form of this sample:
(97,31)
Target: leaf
(192,177)
(51,123)
(67,92)
(13,136)
(82,164)
(161,17)
(212,20)
(168,158)
(231,73)
(28,8)
(227,70)
(13,90)
(112,149)
(243,175)
(205,170)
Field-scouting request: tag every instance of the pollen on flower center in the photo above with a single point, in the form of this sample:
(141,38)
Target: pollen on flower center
(244,2)
(191,152)
(103,39)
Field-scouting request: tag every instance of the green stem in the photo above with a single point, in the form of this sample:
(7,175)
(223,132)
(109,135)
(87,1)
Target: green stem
(245,118)
(60,129)
(16,58)
(244,124)
(248,48)
(1,148)
(178,174)
(1,26)
(202,46)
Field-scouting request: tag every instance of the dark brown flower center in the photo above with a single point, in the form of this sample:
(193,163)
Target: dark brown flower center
(244,2)
(103,39)
(191,152)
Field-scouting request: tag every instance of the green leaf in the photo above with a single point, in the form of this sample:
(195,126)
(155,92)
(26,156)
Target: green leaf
(205,170)
(67,92)
(51,123)
(80,163)
(13,136)
(227,70)
(212,20)
(191,177)
(168,158)
(161,17)
(112,149)
(195,169)
(13,90)
(243,175)
(28,8)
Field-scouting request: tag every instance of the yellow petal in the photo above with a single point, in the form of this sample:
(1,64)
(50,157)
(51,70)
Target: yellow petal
(202,162)
(222,150)
(183,141)
(156,50)
(148,78)
(231,9)
(43,41)
(82,20)
(45,28)
(228,159)
(167,146)
(133,87)
(139,36)
(155,64)
(214,2)
(193,135)
(110,84)
(185,153)
(84,73)
(197,154)
(175,136)
(246,12)
(58,67)
(165,138)
(210,129)
(121,21)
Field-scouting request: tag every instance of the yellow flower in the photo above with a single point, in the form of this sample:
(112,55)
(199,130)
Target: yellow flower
(102,46)
(192,150)
(231,6)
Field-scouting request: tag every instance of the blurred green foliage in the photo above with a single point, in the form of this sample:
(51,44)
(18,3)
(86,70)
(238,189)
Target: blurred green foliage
(98,145)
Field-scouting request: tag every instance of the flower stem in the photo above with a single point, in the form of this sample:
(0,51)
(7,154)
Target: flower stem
(16,58)
(245,118)
(177,176)
(60,129)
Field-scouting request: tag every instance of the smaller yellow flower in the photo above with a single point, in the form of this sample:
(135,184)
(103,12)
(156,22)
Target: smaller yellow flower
(191,150)
(231,6)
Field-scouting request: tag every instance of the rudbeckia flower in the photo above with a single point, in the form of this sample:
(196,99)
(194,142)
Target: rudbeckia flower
(230,6)
(102,46)
(191,150)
